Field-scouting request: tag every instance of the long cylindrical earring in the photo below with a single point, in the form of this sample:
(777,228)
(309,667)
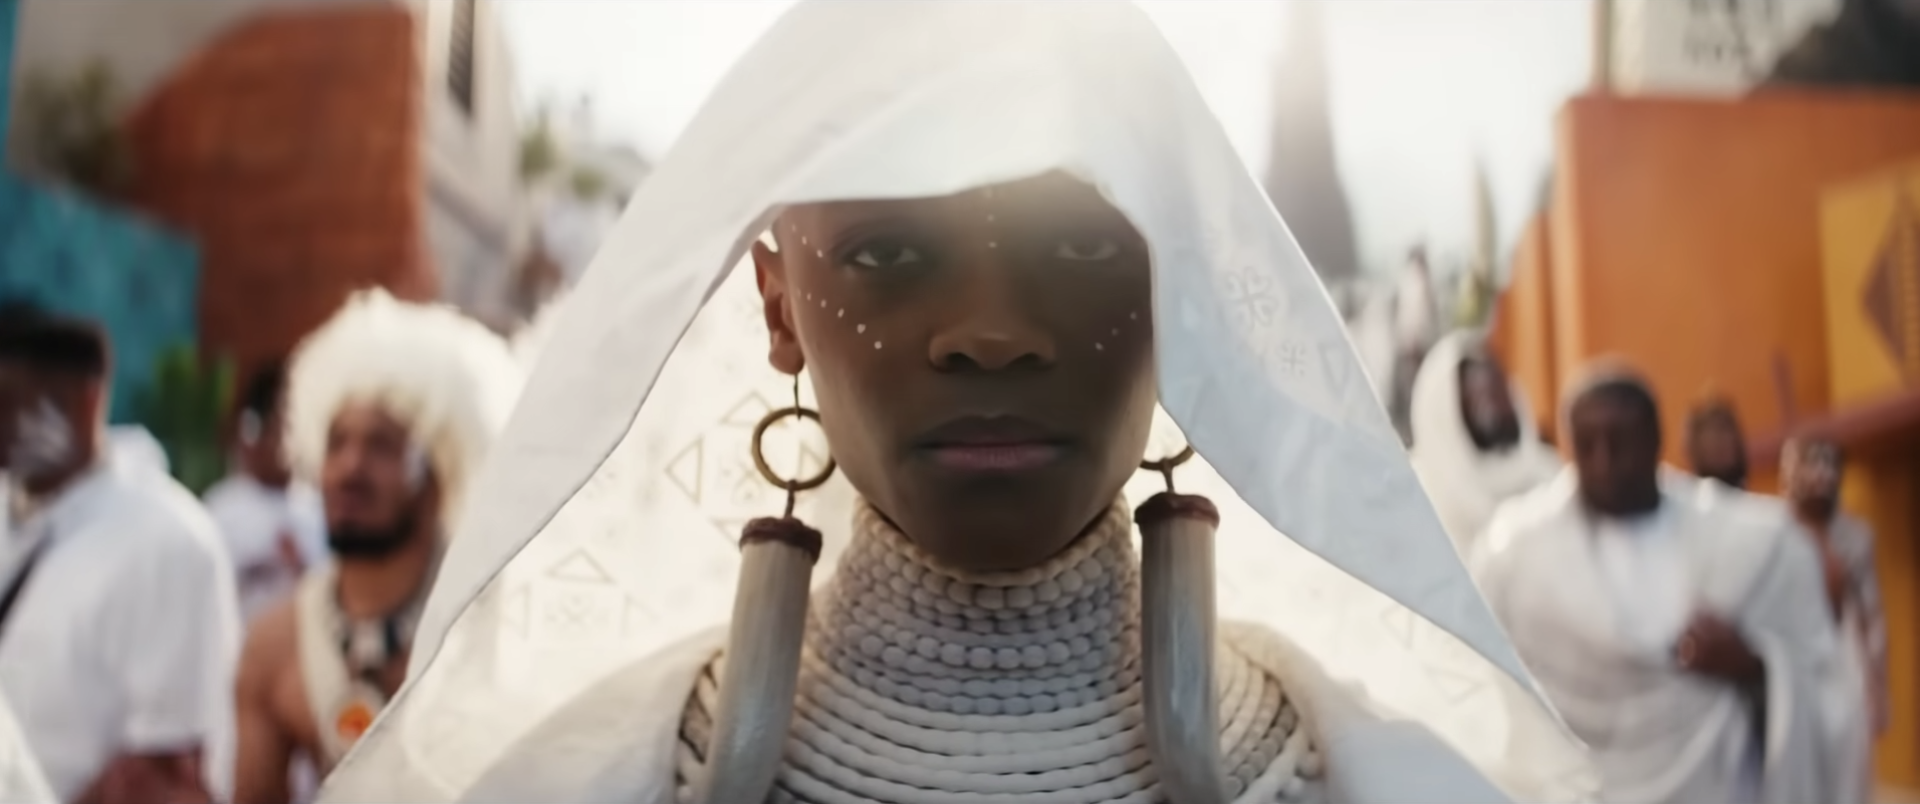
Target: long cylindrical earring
(762,664)
(1177,624)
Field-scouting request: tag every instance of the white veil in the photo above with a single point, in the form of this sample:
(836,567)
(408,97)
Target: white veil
(602,528)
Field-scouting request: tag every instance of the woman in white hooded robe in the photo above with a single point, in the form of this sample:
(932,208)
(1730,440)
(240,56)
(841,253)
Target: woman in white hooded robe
(1468,482)
(569,650)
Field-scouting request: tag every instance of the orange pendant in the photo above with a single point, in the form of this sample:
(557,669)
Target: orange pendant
(353,721)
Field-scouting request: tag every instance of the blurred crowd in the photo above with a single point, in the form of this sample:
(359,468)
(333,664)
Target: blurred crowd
(128,602)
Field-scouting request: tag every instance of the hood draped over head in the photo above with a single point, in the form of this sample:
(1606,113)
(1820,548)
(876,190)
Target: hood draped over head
(447,377)
(1465,482)
(603,528)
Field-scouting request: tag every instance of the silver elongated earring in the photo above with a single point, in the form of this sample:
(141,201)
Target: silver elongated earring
(1177,625)
(762,669)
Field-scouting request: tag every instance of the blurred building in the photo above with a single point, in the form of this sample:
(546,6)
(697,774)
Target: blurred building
(580,195)
(1302,178)
(309,147)
(1706,47)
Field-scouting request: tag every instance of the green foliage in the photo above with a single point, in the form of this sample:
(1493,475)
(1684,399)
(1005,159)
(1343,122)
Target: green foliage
(539,154)
(185,407)
(587,183)
(72,129)
(1474,306)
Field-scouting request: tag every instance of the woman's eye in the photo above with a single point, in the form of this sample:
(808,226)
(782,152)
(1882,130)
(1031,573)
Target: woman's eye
(1090,249)
(886,255)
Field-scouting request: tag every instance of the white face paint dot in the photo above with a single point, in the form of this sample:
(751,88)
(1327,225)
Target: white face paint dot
(1133,316)
(823,304)
(822,253)
(803,241)
(841,314)
(860,328)
(1098,347)
(809,297)
(876,344)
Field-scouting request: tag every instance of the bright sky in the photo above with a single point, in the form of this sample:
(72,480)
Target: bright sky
(1420,88)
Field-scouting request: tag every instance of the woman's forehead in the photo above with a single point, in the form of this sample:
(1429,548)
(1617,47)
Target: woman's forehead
(1049,196)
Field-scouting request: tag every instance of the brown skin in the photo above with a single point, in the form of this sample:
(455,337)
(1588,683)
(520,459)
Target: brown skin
(366,482)
(173,776)
(1486,404)
(1716,449)
(1029,301)
(1616,454)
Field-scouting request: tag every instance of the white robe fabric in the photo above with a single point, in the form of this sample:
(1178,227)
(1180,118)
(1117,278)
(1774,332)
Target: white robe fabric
(21,780)
(125,637)
(601,533)
(1657,733)
(1465,483)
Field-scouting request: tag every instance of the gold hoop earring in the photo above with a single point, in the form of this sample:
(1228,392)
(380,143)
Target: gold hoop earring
(793,487)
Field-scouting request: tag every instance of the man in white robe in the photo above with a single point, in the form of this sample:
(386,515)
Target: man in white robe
(986,241)
(1474,443)
(272,521)
(391,406)
(1679,629)
(120,631)
(1811,472)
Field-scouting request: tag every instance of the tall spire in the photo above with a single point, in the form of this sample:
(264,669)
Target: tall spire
(1302,179)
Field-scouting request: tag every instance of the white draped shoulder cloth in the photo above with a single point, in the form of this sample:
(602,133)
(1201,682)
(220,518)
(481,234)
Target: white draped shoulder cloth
(601,531)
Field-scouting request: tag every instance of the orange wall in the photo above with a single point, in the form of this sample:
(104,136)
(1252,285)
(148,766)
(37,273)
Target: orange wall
(1522,332)
(1685,235)
(289,149)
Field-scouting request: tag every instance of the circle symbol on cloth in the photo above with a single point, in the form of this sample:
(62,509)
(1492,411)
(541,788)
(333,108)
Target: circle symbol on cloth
(760,463)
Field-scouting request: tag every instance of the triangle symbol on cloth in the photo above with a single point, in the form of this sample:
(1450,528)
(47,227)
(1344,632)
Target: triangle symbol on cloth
(1453,685)
(688,468)
(748,411)
(580,567)
(513,611)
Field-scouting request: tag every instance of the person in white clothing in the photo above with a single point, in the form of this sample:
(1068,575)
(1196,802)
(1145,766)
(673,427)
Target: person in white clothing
(120,631)
(982,246)
(1811,470)
(271,520)
(390,407)
(1679,628)
(1474,442)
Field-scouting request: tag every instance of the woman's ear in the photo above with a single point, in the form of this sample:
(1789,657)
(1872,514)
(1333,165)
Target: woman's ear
(769,271)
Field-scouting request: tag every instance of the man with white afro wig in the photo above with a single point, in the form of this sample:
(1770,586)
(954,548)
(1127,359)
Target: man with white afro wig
(391,407)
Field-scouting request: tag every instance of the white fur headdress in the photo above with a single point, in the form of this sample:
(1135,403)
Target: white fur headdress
(449,378)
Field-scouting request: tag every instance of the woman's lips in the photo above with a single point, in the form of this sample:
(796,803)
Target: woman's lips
(992,444)
(995,457)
